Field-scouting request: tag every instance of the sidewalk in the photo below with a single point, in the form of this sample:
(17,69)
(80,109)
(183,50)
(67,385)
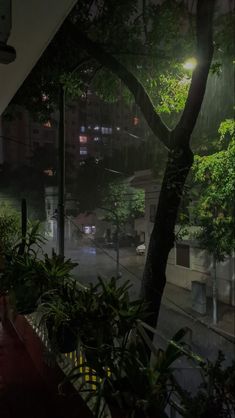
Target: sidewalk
(178,299)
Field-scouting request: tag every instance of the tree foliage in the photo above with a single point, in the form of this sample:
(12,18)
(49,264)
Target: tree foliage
(9,227)
(214,210)
(123,203)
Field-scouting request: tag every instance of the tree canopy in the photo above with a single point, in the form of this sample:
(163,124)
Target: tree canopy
(123,203)
(214,209)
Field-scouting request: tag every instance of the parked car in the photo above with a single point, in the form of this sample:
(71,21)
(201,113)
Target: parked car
(140,250)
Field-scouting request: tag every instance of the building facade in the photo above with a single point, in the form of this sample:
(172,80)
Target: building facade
(187,262)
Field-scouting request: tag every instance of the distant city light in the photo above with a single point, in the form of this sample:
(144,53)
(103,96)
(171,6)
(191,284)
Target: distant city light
(45,97)
(83,129)
(136,121)
(47,124)
(96,128)
(96,138)
(106,130)
(83,150)
(190,64)
(83,139)
(118,128)
(48,172)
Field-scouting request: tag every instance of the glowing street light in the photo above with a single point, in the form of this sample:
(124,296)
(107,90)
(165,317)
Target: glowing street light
(190,64)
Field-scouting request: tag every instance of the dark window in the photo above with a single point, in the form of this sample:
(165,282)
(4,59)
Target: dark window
(35,131)
(152,213)
(183,255)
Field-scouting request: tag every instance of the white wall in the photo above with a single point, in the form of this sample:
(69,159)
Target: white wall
(201,270)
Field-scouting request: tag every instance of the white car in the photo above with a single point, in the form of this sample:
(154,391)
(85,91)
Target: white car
(140,250)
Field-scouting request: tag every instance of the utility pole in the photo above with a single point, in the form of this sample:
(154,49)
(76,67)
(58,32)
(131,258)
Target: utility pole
(214,292)
(61,170)
(117,247)
(214,280)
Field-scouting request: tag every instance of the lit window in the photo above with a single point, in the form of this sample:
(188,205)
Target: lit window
(47,124)
(83,139)
(96,138)
(83,150)
(45,97)
(48,172)
(89,229)
(182,255)
(136,121)
(96,128)
(83,129)
(106,130)
(118,128)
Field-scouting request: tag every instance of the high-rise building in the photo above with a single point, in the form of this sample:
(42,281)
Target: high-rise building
(93,128)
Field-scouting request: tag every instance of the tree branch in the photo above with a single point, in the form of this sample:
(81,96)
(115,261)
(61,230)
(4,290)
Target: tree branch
(133,84)
(185,126)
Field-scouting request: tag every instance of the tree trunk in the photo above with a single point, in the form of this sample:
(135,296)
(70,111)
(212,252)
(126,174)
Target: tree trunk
(163,237)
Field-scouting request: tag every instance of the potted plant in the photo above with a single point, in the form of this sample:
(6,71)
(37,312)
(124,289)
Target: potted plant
(127,383)
(58,312)
(116,354)
(27,276)
(106,316)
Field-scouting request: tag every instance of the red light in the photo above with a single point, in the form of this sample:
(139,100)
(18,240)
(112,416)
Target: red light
(83,139)
(136,120)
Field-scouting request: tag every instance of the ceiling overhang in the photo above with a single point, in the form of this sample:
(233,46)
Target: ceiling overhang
(34,24)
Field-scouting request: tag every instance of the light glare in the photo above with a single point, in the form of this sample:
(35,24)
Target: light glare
(190,64)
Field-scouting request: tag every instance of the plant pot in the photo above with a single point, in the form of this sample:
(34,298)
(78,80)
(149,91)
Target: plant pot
(64,338)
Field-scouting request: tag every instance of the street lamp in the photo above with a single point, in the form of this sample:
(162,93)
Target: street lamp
(190,64)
